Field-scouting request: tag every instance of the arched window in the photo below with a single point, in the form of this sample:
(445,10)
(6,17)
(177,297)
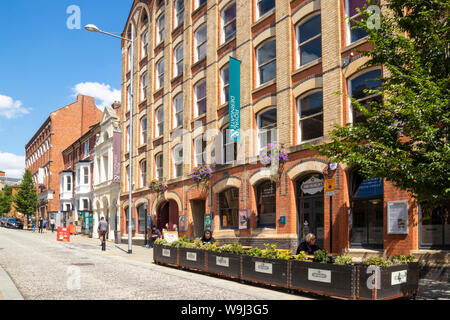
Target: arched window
(264,7)
(178,60)
(159,164)
(179,12)
(229,208)
(228,17)
(310,116)
(309,41)
(160,74)
(267,206)
(159,119)
(178,161)
(357,87)
(144,86)
(144,44)
(143,127)
(200,43)
(142,214)
(267,128)
(225,84)
(160,25)
(178,111)
(143,170)
(266,55)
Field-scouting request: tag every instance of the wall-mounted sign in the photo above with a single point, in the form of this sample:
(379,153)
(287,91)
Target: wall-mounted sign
(208,222)
(182,223)
(243,219)
(397,215)
(235,99)
(312,186)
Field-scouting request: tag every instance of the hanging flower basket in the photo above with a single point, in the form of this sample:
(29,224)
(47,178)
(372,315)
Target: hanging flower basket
(201,176)
(274,158)
(158,187)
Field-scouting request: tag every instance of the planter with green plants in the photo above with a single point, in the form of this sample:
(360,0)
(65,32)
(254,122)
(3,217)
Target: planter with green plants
(381,278)
(268,266)
(192,254)
(225,260)
(166,253)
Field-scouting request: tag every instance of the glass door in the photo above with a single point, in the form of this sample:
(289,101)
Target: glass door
(435,229)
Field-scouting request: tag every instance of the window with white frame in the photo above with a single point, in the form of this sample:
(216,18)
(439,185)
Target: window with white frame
(264,7)
(178,60)
(143,124)
(198,3)
(358,87)
(228,16)
(178,111)
(266,60)
(200,43)
(200,98)
(229,152)
(309,41)
(310,116)
(267,128)
(179,12)
(199,151)
(144,44)
(178,161)
(355,34)
(143,170)
(225,84)
(144,86)
(159,121)
(68,183)
(159,166)
(160,24)
(86,175)
(160,74)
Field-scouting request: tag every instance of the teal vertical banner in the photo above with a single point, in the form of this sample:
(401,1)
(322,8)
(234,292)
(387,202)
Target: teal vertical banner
(235,100)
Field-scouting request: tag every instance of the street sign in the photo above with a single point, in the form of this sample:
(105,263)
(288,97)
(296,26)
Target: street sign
(330,185)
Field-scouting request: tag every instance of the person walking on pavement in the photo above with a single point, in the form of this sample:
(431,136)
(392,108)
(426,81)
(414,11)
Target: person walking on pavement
(102,228)
(41,225)
(52,224)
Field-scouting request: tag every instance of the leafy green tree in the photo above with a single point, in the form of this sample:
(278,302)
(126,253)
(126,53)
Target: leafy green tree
(6,199)
(404,137)
(25,201)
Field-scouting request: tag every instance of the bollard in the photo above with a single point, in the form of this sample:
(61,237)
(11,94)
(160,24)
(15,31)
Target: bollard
(104,242)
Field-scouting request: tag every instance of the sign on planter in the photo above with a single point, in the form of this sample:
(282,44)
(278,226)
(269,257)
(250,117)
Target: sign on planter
(263,267)
(223,261)
(170,236)
(399,277)
(191,256)
(319,275)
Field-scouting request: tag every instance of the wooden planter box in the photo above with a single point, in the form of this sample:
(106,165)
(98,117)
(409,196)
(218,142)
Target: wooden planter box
(393,282)
(192,259)
(224,264)
(165,254)
(272,272)
(325,279)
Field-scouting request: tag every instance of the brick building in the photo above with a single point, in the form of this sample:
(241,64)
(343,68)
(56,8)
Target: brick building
(295,55)
(13,183)
(43,152)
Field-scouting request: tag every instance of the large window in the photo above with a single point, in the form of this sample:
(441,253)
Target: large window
(229,148)
(200,98)
(309,41)
(178,111)
(357,33)
(199,151)
(267,206)
(179,12)
(225,84)
(310,116)
(267,125)
(160,24)
(159,121)
(143,130)
(144,44)
(144,86)
(200,43)
(68,183)
(142,215)
(266,60)
(434,228)
(160,74)
(357,90)
(143,170)
(229,208)
(159,166)
(178,59)
(228,22)
(178,161)
(264,7)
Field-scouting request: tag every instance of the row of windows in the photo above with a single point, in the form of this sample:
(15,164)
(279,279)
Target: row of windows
(42,150)
(82,176)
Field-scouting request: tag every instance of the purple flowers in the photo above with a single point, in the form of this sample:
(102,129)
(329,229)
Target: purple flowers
(201,175)
(274,154)
(157,187)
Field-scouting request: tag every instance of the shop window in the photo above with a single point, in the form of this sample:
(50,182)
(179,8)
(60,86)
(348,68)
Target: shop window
(309,41)
(357,90)
(200,43)
(133,222)
(228,22)
(267,207)
(434,228)
(310,116)
(264,7)
(354,35)
(229,208)
(266,61)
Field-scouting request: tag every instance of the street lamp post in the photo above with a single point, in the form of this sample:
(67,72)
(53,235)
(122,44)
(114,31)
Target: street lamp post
(93,28)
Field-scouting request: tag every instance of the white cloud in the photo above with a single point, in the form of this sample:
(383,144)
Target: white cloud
(11,109)
(12,165)
(103,93)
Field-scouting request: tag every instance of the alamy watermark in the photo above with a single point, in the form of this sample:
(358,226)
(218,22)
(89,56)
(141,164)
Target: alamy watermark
(74,20)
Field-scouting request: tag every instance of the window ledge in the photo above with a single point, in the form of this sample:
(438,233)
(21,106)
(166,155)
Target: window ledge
(301,146)
(199,117)
(196,10)
(263,17)
(223,105)
(307,66)
(264,86)
(354,44)
(199,62)
(223,45)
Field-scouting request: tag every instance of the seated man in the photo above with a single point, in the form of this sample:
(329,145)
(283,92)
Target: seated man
(156,234)
(308,245)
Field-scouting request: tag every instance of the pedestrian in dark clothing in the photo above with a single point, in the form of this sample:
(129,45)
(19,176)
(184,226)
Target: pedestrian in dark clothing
(207,237)
(102,229)
(156,234)
(308,245)
(41,225)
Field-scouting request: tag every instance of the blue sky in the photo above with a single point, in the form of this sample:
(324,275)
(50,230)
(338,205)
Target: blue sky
(43,64)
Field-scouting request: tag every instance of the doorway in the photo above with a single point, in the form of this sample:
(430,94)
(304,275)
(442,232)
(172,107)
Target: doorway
(198,215)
